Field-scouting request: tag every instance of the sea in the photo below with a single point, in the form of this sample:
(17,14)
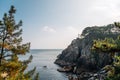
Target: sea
(43,60)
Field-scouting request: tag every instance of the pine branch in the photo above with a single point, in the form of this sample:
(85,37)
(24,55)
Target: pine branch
(36,77)
(25,62)
(30,73)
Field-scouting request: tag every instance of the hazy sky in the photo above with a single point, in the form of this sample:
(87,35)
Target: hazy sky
(55,23)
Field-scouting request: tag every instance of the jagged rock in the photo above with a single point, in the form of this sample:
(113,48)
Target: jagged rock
(79,53)
(44,66)
(92,78)
(65,69)
(73,48)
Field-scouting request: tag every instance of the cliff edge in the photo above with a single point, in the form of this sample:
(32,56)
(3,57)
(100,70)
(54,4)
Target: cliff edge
(79,55)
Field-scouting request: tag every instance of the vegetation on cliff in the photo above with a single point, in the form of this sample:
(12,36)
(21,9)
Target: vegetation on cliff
(112,47)
(79,54)
(11,68)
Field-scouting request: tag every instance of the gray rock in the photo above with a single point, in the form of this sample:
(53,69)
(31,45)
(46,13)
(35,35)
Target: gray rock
(95,75)
(79,54)
(92,78)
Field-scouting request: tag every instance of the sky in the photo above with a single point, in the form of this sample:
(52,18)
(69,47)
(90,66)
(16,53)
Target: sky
(53,24)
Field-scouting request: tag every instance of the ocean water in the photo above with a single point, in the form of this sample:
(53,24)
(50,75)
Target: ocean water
(45,57)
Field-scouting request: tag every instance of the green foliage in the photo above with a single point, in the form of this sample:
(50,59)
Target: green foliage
(11,68)
(36,77)
(106,45)
(110,69)
(110,46)
(117,61)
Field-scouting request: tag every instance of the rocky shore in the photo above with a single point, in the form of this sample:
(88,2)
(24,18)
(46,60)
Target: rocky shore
(65,69)
(100,75)
(87,65)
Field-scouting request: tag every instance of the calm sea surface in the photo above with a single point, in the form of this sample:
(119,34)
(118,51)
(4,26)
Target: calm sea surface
(45,57)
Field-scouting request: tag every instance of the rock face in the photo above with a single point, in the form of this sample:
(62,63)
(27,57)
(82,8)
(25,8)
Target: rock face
(70,54)
(79,54)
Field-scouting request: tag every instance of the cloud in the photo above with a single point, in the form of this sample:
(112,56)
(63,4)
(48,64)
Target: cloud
(49,29)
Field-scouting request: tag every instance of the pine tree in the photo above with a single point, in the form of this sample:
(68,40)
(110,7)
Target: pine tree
(11,68)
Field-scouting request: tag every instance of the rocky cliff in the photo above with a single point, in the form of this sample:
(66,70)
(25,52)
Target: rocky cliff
(79,55)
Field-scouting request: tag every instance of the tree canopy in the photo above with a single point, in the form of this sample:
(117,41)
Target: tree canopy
(11,68)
